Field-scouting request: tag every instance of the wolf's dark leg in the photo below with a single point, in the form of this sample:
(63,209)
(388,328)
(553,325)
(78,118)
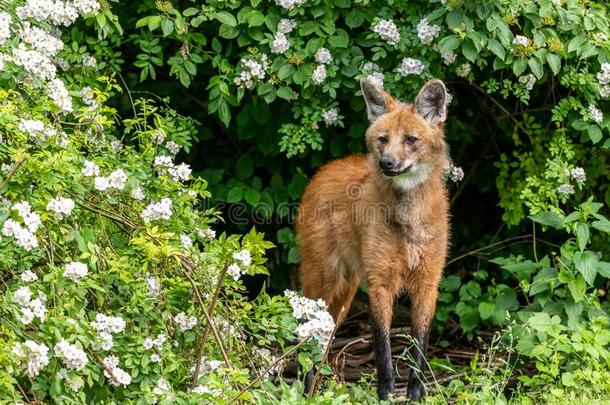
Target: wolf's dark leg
(381,303)
(309,380)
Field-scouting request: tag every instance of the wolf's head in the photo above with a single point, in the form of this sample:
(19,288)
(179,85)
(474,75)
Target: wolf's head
(406,140)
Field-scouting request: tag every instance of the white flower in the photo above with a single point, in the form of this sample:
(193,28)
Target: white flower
(578,174)
(163,161)
(89,61)
(330,116)
(528,80)
(115,375)
(455,173)
(185,322)
(108,324)
(117,179)
(90,169)
(317,322)
(207,233)
(153,286)
(323,56)
(186,241)
(463,70)
(148,343)
(285,26)
(410,66)
(387,30)
(604,80)
(376,78)
(182,172)
(138,194)
(162,387)
(521,40)
(34,62)
(319,75)
(158,210)
(61,206)
(234,271)
(566,189)
(596,115)
(426,32)
(40,40)
(116,146)
(23,296)
(172,147)
(448,57)
(243,256)
(75,271)
(73,357)
(251,70)
(280,43)
(289,4)
(101,183)
(28,276)
(155,358)
(36,356)
(5,26)
(89,98)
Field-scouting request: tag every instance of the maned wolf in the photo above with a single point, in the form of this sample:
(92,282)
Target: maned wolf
(382,217)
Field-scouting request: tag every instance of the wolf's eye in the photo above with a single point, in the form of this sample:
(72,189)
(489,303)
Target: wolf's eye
(410,140)
(382,139)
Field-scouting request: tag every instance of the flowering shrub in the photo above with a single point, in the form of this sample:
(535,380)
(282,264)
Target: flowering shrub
(110,268)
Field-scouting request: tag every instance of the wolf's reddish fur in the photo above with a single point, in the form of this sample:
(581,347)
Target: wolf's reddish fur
(359,222)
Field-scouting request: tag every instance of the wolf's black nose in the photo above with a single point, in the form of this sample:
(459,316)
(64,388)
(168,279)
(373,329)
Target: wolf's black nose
(386,162)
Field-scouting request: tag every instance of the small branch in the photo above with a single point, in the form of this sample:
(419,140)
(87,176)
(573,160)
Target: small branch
(324,358)
(472,252)
(11,174)
(266,371)
(206,331)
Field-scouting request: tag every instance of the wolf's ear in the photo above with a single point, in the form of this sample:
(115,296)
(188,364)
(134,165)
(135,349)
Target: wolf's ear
(378,102)
(431,102)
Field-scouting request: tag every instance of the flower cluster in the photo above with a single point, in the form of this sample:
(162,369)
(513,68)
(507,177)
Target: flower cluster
(373,73)
(280,43)
(157,210)
(578,174)
(319,75)
(57,12)
(186,241)
(387,30)
(426,32)
(286,25)
(61,206)
(317,322)
(28,276)
(115,375)
(73,357)
(410,66)
(448,57)
(37,130)
(323,56)
(165,165)
(521,40)
(289,4)
(185,322)
(75,383)
(330,116)
(117,179)
(106,326)
(24,236)
(138,194)
(566,189)
(252,70)
(463,70)
(603,76)
(90,169)
(34,355)
(455,173)
(595,114)
(172,147)
(30,308)
(75,271)
(5,26)
(528,81)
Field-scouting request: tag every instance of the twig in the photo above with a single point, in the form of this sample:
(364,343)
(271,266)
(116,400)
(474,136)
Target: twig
(11,174)
(266,371)
(206,331)
(455,259)
(324,358)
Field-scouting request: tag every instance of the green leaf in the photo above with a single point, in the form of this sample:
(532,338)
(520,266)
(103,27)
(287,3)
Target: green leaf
(469,50)
(577,288)
(602,225)
(582,235)
(251,196)
(225,18)
(235,195)
(354,18)
(549,218)
(244,166)
(540,321)
(486,309)
(536,67)
(255,18)
(519,66)
(167,26)
(340,40)
(285,92)
(594,133)
(496,48)
(554,62)
(586,263)
(228,32)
